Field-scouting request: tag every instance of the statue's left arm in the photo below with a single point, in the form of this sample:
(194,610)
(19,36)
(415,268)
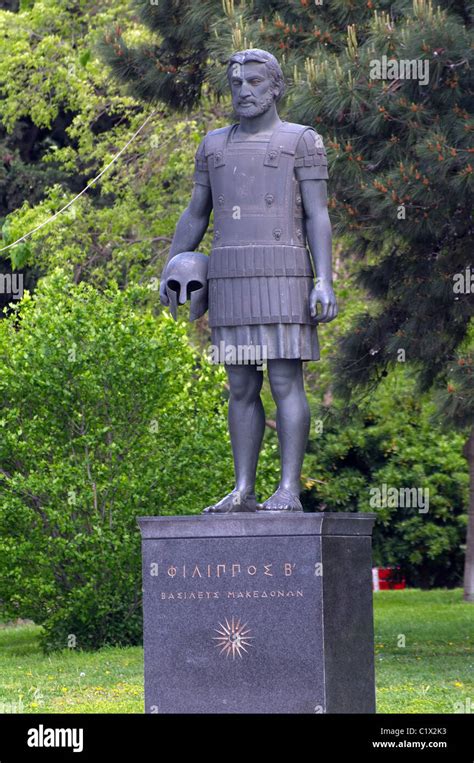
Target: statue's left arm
(319,237)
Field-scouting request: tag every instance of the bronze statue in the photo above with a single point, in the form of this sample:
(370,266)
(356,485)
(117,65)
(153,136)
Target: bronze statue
(265,179)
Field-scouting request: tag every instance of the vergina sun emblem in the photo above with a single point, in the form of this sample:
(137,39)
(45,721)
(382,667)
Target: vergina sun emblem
(233,638)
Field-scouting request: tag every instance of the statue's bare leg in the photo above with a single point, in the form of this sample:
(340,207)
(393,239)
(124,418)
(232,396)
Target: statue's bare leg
(293,422)
(246,427)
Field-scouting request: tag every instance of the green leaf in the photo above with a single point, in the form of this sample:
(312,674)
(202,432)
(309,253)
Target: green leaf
(20,255)
(84,58)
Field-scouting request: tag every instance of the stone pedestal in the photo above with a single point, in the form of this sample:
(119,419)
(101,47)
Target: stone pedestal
(258,613)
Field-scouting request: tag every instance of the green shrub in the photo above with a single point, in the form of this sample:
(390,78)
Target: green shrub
(391,440)
(106,413)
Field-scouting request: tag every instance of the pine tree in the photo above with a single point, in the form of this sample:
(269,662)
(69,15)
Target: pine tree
(170,69)
(400,152)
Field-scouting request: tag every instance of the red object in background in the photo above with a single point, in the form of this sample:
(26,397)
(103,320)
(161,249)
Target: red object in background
(387,579)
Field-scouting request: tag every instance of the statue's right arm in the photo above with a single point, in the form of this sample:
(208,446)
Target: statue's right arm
(191,227)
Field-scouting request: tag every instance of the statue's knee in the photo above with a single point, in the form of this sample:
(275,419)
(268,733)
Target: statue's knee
(282,386)
(245,388)
(285,378)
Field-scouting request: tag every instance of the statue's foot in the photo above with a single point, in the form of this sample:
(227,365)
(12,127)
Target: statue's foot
(282,500)
(235,502)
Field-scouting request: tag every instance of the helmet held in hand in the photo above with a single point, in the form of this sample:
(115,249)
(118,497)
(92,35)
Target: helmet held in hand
(186,280)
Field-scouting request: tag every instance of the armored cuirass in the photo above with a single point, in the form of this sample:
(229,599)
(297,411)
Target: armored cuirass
(260,269)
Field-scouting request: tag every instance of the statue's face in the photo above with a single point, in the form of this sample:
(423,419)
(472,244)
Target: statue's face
(253,90)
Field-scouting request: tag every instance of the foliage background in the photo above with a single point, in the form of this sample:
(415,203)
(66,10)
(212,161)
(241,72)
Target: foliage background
(79,430)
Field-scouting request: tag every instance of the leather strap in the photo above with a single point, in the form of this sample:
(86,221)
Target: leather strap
(284,140)
(216,142)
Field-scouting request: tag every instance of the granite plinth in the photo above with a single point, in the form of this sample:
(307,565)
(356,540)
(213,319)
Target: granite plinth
(258,613)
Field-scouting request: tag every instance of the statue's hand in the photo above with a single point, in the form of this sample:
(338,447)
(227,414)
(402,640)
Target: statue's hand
(163,295)
(324,294)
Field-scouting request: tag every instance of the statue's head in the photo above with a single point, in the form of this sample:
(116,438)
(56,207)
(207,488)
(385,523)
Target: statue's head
(256,81)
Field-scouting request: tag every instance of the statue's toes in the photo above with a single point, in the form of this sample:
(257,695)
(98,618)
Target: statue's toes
(233,504)
(282,500)
(209,510)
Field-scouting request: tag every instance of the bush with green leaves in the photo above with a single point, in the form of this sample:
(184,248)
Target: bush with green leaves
(107,413)
(393,440)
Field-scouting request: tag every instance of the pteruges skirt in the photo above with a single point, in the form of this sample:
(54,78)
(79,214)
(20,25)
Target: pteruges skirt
(234,345)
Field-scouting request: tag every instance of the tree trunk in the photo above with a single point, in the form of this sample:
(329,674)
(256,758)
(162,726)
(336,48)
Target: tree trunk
(469,562)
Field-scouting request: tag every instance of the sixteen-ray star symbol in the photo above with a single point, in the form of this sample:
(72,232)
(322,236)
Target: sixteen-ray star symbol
(233,638)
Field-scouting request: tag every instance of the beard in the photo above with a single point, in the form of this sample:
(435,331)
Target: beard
(254,109)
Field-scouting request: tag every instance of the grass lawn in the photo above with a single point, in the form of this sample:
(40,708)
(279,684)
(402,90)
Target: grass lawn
(432,673)
(435,670)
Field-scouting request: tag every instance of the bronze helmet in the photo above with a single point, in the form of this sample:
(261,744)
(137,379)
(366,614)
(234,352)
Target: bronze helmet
(186,279)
